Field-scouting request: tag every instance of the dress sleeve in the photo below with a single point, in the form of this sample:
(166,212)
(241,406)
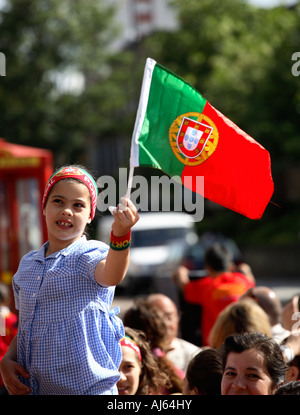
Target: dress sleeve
(91,256)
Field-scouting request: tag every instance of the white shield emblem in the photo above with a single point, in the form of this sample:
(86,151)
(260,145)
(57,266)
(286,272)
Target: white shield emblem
(192,138)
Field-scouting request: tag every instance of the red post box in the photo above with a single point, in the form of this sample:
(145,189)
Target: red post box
(23,174)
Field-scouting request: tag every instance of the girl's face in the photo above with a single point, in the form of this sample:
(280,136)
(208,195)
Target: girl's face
(67,212)
(246,374)
(130,370)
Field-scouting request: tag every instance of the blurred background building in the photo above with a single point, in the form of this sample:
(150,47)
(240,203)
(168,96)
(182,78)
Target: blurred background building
(138,18)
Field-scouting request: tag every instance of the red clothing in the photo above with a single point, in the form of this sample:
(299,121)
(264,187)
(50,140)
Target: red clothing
(213,294)
(11,328)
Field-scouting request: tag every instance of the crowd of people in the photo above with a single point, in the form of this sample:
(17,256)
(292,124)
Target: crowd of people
(249,346)
(247,361)
(67,340)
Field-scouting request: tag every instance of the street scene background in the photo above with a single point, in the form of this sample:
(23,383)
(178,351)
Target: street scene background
(72,83)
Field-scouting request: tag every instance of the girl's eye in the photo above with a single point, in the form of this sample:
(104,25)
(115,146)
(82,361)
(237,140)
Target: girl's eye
(79,205)
(57,201)
(126,368)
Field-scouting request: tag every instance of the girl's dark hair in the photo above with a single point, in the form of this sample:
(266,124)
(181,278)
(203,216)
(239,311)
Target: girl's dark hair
(205,372)
(147,318)
(265,345)
(152,379)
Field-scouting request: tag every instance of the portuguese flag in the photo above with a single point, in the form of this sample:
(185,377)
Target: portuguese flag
(181,133)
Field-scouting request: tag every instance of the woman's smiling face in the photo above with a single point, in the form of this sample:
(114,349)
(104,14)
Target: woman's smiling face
(246,374)
(67,212)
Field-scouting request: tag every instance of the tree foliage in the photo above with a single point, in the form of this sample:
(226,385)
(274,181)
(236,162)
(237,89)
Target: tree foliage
(46,43)
(239,57)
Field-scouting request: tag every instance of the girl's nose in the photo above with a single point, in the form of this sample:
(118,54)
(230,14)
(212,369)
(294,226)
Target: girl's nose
(122,375)
(67,211)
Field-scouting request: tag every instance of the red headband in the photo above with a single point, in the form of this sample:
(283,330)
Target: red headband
(75,173)
(128,342)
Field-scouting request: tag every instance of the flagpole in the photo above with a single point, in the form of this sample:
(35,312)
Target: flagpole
(129,186)
(130,179)
(149,67)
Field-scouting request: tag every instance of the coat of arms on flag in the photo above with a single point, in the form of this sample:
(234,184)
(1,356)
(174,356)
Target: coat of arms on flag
(196,138)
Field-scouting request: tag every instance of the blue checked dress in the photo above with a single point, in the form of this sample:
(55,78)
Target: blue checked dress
(68,338)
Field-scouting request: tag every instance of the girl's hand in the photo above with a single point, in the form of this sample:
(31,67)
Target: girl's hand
(124,219)
(112,270)
(10,371)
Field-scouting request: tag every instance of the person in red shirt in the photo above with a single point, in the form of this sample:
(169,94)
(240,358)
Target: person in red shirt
(223,285)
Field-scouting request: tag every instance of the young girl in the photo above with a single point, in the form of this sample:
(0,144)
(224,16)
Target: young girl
(139,370)
(68,340)
(144,316)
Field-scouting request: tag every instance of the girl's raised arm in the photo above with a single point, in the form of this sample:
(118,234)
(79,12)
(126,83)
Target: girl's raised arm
(112,270)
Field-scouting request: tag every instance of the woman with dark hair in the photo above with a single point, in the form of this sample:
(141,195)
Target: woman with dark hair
(253,364)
